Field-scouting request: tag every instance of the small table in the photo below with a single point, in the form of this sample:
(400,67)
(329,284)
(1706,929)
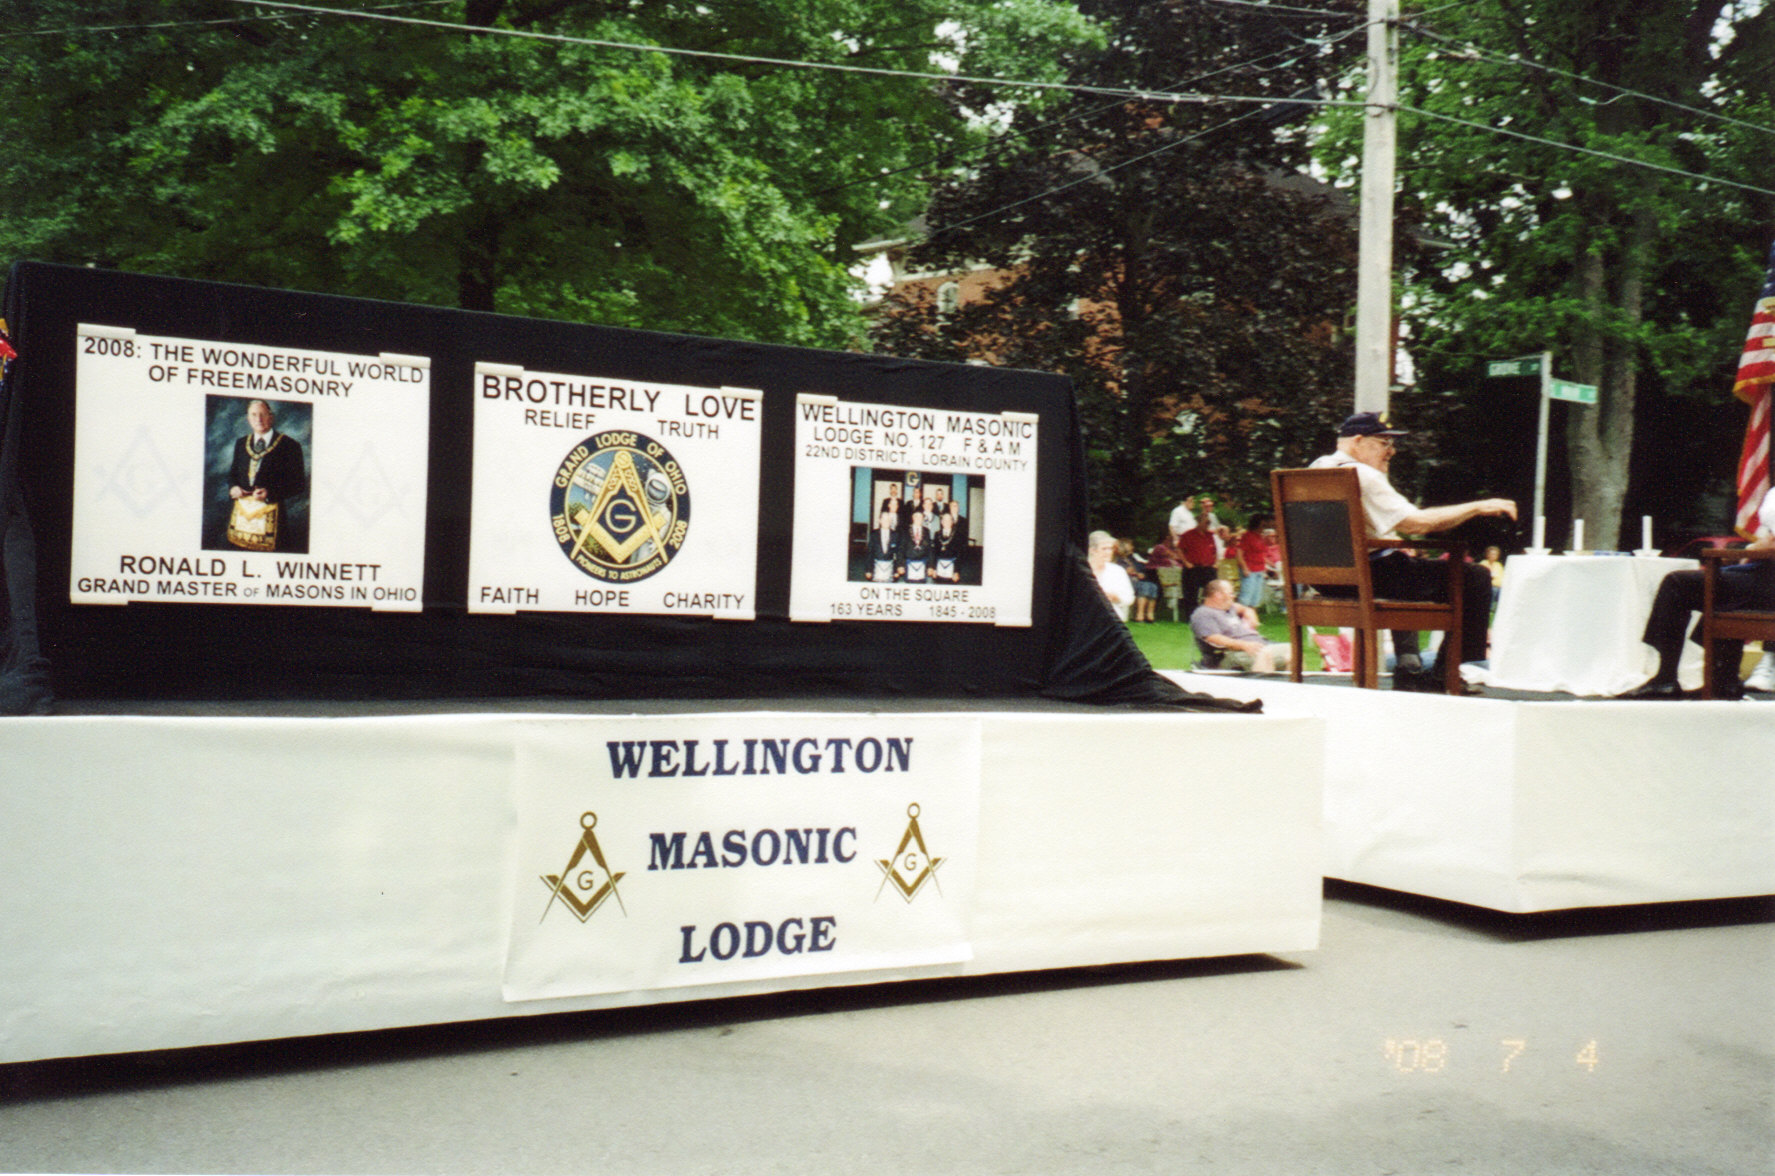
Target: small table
(1573,623)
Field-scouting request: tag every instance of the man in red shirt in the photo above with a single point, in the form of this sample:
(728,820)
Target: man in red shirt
(1196,546)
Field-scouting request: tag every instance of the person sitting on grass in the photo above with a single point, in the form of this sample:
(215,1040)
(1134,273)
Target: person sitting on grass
(1223,625)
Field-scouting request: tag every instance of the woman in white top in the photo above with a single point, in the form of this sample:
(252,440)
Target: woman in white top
(1118,589)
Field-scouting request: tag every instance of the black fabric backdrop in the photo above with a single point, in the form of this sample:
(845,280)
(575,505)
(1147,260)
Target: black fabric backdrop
(1075,649)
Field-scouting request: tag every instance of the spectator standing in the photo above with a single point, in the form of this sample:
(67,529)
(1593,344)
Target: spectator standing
(1494,563)
(1197,549)
(1165,554)
(1146,587)
(1253,552)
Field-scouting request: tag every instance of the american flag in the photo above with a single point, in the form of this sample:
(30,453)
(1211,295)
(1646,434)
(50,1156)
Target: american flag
(1756,372)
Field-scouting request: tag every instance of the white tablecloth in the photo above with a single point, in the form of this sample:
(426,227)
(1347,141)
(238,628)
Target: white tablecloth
(1573,623)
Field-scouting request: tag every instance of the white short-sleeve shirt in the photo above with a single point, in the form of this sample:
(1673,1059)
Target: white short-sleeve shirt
(1182,519)
(1117,588)
(1383,506)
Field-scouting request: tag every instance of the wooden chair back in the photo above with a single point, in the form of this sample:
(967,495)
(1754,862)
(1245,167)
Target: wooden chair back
(1739,624)
(1325,546)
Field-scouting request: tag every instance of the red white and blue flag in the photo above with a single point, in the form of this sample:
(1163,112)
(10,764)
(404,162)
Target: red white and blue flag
(1756,375)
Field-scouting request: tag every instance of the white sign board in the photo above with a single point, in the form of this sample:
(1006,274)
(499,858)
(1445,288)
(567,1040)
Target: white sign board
(233,473)
(912,514)
(711,849)
(613,496)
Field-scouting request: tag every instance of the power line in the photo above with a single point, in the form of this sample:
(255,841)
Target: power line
(1676,171)
(1095,175)
(184,24)
(1264,6)
(993,151)
(1471,50)
(1408,109)
(996,149)
(1157,96)
(1169,96)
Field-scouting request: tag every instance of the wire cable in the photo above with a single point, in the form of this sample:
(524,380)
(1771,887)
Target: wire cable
(1264,6)
(994,150)
(1163,97)
(1096,175)
(1676,171)
(1473,51)
(186,24)
(1158,96)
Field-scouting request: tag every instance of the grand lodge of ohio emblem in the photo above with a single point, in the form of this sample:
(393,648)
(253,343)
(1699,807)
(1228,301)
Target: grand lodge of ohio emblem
(620,506)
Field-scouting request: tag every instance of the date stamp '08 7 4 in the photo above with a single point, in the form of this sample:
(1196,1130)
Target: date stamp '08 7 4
(1432,1055)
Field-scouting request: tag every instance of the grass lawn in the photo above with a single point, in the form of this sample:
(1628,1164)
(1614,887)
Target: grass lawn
(1169,645)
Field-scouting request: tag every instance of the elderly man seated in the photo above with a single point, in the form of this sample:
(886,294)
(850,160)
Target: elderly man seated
(1229,630)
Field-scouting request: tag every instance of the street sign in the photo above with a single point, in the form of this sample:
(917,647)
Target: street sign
(1567,390)
(1514,367)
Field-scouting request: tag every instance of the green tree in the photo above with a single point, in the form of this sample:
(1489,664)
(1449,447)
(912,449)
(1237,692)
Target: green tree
(1168,256)
(1638,279)
(498,172)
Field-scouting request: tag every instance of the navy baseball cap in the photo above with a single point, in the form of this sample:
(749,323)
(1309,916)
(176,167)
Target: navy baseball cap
(1368,424)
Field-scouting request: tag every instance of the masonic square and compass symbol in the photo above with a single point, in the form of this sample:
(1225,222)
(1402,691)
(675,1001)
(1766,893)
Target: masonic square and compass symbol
(620,506)
(912,864)
(583,886)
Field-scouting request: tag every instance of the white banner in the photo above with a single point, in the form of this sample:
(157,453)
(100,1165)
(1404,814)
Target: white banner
(704,850)
(232,473)
(583,489)
(912,514)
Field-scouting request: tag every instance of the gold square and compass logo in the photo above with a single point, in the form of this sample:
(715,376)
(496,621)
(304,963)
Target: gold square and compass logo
(620,506)
(584,886)
(912,864)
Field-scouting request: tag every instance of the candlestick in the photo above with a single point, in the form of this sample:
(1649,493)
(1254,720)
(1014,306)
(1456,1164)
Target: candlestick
(1540,531)
(1577,534)
(1645,532)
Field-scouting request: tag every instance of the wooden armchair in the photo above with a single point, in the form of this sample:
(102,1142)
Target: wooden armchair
(1741,625)
(1326,579)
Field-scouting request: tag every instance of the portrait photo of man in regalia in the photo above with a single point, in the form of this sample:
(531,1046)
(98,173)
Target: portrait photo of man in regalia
(256,474)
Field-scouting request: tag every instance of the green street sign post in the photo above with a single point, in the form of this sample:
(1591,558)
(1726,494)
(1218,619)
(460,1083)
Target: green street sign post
(1551,390)
(1514,367)
(1567,390)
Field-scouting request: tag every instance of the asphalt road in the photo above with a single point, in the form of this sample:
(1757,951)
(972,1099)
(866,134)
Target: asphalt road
(1420,1037)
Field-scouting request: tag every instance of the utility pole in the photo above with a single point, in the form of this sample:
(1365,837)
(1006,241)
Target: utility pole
(1374,267)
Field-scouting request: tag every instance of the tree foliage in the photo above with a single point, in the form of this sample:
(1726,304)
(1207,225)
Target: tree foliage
(1165,254)
(496,171)
(1639,280)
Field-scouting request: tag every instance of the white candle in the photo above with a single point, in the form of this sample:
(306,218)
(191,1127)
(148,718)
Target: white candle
(1540,531)
(1577,534)
(1645,532)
